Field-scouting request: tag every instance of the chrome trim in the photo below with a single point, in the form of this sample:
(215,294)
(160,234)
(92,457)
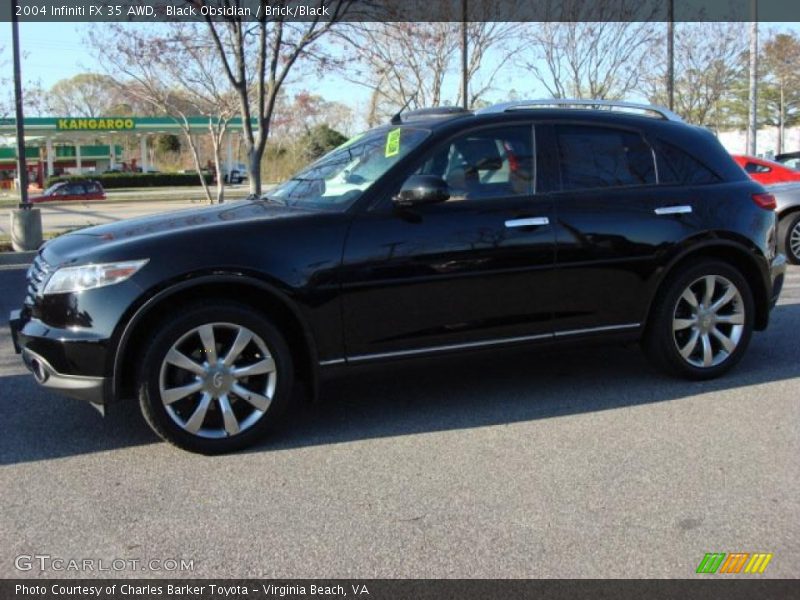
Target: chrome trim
(331,362)
(483,343)
(527,222)
(673,210)
(662,112)
(597,329)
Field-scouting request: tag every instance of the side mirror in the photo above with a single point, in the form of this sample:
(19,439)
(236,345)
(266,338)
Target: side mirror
(422,189)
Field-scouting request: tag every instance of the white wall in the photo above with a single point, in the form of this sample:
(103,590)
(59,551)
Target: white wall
(735,142)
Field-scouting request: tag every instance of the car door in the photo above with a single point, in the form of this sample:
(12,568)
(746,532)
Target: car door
(608,231)
(475,270)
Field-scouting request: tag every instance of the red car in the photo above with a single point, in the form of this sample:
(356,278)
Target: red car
(766,171)
(72,190)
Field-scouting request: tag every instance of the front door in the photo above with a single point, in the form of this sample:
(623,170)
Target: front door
(476,270)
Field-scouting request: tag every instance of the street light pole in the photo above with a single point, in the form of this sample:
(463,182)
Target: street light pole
(671,56)
(22,170)
(464,63)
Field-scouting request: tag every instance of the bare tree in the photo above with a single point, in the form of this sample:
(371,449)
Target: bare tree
(256,59)
(708,61)
(781,88)
(590,59)
(83,95)
(171,70)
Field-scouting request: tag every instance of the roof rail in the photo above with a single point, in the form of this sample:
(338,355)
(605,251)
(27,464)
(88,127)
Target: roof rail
(436,112)
(660,111)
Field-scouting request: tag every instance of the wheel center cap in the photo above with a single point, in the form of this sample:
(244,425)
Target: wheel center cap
(218,381)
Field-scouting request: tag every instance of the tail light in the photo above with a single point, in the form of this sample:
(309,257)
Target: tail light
(765,201)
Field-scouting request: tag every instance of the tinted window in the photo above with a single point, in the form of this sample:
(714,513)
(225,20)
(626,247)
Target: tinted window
(752,167)
(93,188)
(598,157)
(677,166)
(490,163)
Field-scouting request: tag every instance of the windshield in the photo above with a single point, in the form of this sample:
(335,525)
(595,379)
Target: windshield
(337,179)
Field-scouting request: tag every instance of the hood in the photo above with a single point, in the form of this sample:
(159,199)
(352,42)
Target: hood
(72,245)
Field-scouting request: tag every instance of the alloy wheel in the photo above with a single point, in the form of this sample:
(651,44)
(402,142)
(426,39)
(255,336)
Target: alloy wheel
(708,321)
(794,240)
(217,380)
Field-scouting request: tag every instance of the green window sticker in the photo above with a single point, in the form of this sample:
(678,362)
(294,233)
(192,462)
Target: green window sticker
(393,143)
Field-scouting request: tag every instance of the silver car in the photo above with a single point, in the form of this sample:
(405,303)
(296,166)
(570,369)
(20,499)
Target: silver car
(788,198)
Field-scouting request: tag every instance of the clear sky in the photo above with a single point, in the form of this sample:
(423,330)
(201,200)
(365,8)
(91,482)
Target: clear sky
(53,51)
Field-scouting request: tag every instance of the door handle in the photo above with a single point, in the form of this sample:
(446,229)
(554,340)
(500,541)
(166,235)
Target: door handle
(527,222)
(674,210)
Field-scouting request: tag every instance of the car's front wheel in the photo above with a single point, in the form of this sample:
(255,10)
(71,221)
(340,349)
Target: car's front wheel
(702,322)
(214,379)
(789,232)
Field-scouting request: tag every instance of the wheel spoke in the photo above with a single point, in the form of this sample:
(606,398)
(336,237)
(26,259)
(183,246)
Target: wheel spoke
(726,342)
(710,281)
(730,294)
(209,343)
(690,298)
(179,359)
(708,355)
(734,319)
(243,338)
(266,365)
(231,424)
(257,400)
(172,395)
(195,422)
(680,324)
(688,349)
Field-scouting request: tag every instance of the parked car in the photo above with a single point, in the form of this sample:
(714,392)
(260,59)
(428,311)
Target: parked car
(236,173)
(766,171)
(787,196)
(789,159)
(446,231)
(72,190)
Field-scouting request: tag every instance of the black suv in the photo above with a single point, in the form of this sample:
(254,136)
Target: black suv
(443,231)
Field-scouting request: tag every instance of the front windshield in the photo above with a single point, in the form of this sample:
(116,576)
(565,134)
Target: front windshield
(337,179)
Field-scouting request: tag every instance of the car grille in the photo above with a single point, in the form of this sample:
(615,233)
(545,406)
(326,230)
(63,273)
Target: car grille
(37,276)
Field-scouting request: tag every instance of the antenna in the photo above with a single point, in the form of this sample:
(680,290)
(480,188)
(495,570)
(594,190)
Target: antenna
(396,120)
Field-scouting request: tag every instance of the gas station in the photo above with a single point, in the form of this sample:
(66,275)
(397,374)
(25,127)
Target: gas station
(83,145)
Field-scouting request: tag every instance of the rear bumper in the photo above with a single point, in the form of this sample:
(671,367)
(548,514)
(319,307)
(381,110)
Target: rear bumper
(777,274)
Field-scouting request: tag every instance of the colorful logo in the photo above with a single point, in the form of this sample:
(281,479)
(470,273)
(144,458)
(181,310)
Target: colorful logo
(754,563)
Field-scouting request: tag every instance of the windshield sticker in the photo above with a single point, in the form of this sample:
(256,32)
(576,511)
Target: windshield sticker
(393,143)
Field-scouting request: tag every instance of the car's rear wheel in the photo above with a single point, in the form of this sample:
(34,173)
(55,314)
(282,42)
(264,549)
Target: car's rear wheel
(702,322)
(216,378)
(789,232)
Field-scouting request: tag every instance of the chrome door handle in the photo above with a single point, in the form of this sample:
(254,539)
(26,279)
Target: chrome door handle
(673,210)
(527,222)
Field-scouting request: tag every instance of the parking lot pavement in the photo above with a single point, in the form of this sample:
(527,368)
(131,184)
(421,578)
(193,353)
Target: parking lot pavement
(568,463)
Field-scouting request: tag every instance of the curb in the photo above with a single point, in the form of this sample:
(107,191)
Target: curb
(16,259)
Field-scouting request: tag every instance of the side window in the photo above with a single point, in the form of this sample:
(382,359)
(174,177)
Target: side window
(74,189)
(599,157)
(677,166)
(752,167)
(491,163)
(92,188)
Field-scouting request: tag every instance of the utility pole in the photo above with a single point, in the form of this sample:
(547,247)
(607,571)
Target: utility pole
(464,62)
(26,222)
(671,56)
(752,121)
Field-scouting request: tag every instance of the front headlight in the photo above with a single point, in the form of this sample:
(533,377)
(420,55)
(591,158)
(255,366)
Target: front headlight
(89,277)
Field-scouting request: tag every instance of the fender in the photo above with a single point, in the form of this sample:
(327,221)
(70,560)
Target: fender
(197,280)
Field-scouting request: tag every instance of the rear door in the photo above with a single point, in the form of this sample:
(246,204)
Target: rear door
(476,270)
(608,231)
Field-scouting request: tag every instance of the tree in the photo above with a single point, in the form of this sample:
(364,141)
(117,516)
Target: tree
(590,59)
(708,62)
(166,142)
(83,95)
(256,60)
(171,70)
(321,139)
(781,89)
(415,64)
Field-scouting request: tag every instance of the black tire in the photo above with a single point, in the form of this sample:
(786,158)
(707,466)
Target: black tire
(661,343)
(228,319)
(788,226)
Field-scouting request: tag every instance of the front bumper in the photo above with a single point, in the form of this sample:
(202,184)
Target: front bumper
(83,387)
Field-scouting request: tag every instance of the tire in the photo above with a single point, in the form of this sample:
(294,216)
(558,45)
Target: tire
(675,325)
(218,401)
(789,237)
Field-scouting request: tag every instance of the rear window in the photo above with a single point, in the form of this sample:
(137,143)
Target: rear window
(677,166)
(601,157)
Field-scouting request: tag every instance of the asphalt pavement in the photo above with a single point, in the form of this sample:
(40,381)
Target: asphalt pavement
(569,463)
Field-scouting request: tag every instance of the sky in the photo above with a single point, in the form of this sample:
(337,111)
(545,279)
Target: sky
(54,51)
